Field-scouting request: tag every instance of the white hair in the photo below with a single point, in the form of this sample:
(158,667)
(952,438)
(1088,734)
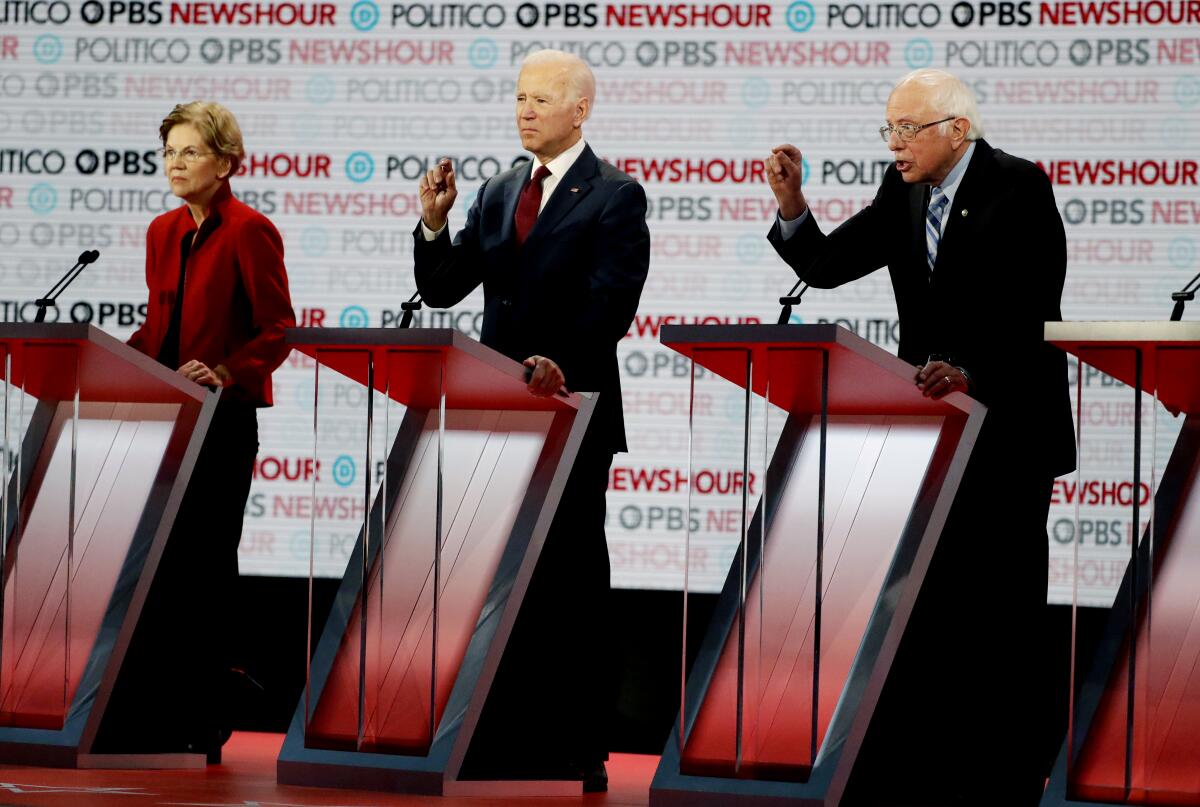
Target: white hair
(948,95)
(580,80)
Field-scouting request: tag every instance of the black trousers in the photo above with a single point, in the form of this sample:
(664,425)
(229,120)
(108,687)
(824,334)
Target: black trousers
(550,706)
(963,718)
(168,696)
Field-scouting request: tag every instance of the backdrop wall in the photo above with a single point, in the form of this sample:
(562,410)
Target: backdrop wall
(344,105)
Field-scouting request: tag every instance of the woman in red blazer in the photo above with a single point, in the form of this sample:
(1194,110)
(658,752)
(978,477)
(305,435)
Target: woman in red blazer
(219,305)
(223,258)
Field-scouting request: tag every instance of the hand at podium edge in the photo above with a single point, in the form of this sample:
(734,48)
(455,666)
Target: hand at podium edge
(938,379)
(201,373)
(543,376)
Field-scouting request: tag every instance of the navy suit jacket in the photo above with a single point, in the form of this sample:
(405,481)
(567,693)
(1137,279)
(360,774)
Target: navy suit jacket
(569,293)
(998,278)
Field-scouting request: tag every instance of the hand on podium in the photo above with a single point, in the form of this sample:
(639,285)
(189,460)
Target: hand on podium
(543,376)
(937,379)
(201,373)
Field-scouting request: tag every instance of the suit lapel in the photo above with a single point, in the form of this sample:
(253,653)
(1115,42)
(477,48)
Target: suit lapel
(918,203)
(970,194)
(571,189)
(512,194)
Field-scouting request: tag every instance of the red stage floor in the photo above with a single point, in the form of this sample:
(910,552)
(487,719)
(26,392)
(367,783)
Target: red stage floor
(247,779)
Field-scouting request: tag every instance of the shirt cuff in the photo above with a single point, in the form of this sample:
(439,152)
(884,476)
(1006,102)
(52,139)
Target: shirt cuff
(788,228)
(432,235)
(966,377)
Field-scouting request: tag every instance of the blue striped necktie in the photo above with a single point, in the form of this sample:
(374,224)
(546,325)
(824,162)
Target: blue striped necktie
(933,225)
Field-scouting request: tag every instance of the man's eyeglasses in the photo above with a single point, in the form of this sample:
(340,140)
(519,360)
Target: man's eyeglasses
(908,131)
(189,154)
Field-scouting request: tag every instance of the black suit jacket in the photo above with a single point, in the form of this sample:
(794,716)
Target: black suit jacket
(998,278)
(569,293)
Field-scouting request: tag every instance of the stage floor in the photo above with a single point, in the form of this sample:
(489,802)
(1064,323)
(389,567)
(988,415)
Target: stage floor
(247,778)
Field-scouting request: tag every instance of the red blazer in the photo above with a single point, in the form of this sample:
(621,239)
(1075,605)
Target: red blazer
(236,303)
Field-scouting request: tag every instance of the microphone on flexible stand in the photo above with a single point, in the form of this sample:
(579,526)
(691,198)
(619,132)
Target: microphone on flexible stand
(413,304)
(89,256)
(1182,297)
(792,298)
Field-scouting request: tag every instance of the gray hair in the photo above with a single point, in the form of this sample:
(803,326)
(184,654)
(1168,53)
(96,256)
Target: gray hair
(948,95)
(580,80)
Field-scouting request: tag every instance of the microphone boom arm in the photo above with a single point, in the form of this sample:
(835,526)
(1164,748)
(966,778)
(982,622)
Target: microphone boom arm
(86,257)
(1182,297)
(408,307)
(790,299)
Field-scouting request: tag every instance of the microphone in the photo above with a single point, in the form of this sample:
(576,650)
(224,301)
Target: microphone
(413,304)
(1182,297)
(86,257)
(792,298)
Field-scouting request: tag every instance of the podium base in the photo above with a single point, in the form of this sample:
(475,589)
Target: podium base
(63,756)
(514,788)
(427,783)
(144,762)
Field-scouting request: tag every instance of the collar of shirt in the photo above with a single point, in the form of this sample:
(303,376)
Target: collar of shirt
(558,168)
(216,207)
(954,178)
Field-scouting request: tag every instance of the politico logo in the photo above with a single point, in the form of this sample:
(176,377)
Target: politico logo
(37,12)
(364,15)
(800,16)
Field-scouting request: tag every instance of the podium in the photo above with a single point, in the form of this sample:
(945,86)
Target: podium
(99,444)
(1133,727)
(857,479)
(463,470)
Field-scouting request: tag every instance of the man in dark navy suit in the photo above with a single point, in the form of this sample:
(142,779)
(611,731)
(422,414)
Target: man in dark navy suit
(562,250)
(977,254)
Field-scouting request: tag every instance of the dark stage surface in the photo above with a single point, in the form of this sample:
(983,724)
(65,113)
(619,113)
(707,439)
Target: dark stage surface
(247,778)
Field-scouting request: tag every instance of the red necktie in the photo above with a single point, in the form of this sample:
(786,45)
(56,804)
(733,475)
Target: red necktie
(528,204)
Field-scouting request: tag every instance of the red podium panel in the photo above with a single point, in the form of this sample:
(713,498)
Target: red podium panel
(99,441)
(831,554)
(1133,730)
(406,365)
(452,523)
